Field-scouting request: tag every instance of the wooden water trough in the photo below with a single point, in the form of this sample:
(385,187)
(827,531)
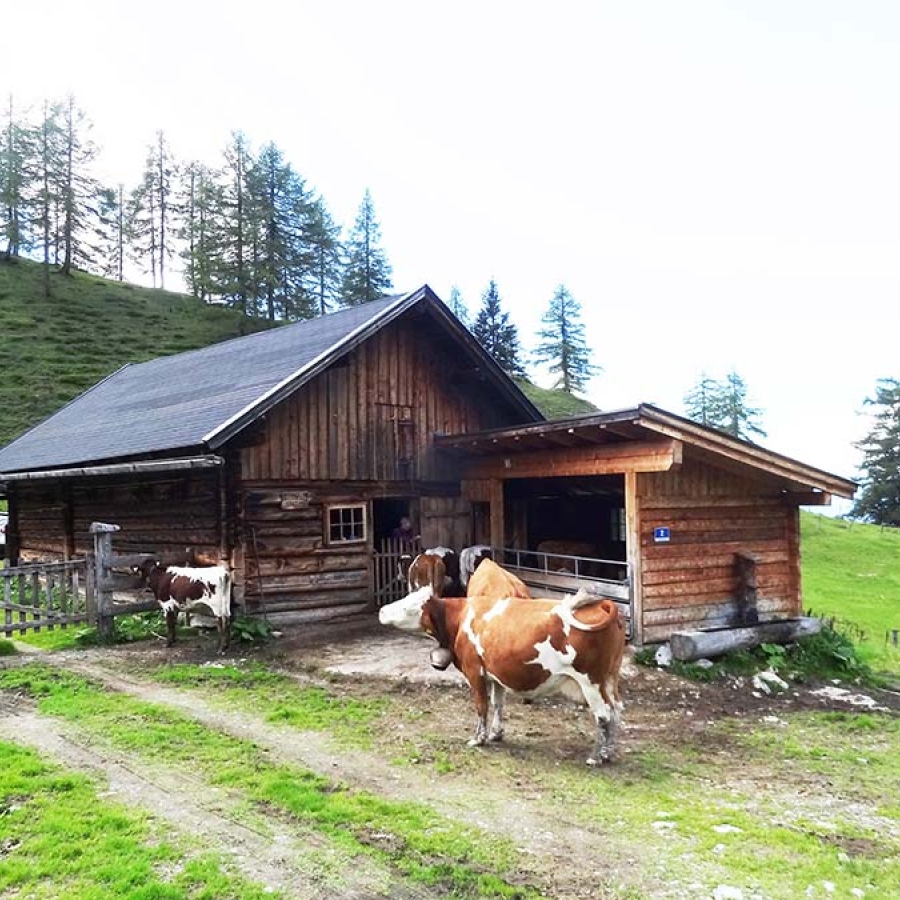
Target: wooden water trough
(690,645)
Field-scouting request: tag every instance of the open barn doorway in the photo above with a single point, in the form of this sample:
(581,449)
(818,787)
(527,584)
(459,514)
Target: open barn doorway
(577,516)
(568,533)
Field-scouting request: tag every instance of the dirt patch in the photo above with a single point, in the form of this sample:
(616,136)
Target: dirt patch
(505,789)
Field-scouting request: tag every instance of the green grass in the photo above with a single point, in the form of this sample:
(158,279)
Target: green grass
(55,348)
(278,698)
(555,404)
(59,841)
(412,838)
(851,572)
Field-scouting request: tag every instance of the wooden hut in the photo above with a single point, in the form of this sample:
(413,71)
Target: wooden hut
(292,454)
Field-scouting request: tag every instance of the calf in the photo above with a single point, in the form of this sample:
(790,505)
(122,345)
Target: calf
(181,588)
(438,567)
(533,647)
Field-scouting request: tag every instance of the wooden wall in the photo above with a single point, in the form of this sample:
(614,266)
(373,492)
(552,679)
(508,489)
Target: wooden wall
(690,581)
(157,513)
(373,416)
(361,430)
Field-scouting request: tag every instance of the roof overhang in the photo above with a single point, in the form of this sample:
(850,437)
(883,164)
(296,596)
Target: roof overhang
(613,437)
(149,466)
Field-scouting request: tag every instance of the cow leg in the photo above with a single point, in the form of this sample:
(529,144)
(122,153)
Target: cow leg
(498,693)
(480,699)
(223,625)
(171,622)
(606,715)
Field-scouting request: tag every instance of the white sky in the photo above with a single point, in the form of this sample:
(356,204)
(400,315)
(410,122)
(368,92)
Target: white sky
(717,183)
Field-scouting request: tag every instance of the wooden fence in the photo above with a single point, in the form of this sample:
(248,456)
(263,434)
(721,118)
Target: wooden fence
(389,586)
(46,595)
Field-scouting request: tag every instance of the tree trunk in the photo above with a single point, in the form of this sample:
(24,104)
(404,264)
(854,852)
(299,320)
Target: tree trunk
(690,645)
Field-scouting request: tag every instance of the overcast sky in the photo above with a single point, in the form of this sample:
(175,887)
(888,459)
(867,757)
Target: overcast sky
(717,183)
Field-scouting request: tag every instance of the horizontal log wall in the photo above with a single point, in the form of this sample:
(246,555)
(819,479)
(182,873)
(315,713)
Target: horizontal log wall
(372,416)
(285,560)
(691,580)
(163,514)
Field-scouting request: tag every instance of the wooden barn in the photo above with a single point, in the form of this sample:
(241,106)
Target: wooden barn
(293,453)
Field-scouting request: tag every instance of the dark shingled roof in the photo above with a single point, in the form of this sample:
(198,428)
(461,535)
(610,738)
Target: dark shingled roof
(200,398)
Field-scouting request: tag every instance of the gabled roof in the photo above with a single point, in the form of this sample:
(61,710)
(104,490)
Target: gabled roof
(644,422)
(198,400)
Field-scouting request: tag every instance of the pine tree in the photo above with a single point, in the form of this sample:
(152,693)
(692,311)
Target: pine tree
(323,238)
(197,205)
(367,275)
(497,334)
(563,346)
(236,240)
(78,189)
(458,306)
(45,178)
(879,500)
(723,405)
(14,151)
(703,401)
(110,238)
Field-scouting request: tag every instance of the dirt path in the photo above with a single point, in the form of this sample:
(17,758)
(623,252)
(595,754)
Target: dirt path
(511,794)
(267,851)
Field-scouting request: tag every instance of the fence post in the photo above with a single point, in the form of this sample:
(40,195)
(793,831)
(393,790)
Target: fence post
(102,581)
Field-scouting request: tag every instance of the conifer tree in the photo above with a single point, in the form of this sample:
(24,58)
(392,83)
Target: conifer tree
(879,499)
(724,405)
(323,238)
(563,347)
(14,158)
(45,180)
(237,232)
(702,403)
(78,189)
(497,334)
(198,205)
(111,233)
(458,306)
(367,275)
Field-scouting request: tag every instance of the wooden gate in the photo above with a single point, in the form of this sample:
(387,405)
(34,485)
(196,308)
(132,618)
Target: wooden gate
(388,584)
(46,595)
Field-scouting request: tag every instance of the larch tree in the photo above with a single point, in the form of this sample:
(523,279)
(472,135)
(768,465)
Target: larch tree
(879,499)
(198,204)
(237,226)
(703,401)
(562,346)
(458,306)
(111,233)
(724,405)
(78,189)
(14,153)
(367,275)
(323,238)
(45,180)
(497,334)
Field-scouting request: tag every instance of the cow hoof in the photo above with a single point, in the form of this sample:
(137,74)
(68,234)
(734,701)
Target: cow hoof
(475,742)
(495,736)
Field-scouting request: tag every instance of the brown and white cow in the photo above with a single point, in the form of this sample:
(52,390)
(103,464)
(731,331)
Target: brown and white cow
(183,588)
(438,566)
(493,581)
(533,647)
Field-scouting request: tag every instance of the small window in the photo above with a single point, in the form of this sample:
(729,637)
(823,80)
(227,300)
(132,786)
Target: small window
(346,524)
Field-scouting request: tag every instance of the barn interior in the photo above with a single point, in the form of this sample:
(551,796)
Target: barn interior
(580,516)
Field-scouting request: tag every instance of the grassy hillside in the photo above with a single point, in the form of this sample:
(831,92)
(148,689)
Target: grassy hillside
(53,349)
(852,572)
(555,404)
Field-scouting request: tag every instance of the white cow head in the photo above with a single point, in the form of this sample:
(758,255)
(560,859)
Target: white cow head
(406,614)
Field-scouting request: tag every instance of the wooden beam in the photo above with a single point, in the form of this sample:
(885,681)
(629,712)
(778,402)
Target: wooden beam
(633,553)
(497,514)
(808,498)
(643,456)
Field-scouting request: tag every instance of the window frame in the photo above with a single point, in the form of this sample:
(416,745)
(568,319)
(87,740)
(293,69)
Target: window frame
(330,539)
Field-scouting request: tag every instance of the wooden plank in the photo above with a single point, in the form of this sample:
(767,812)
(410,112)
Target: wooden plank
(640,456)
(691,645)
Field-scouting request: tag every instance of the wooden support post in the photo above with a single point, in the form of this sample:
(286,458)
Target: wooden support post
(103,593)
(633,552)
(497,514)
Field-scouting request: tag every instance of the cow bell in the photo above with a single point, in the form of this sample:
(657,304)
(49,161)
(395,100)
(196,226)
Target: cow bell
(441,657)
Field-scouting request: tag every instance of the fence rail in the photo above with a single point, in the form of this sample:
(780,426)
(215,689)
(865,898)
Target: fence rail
(46,595)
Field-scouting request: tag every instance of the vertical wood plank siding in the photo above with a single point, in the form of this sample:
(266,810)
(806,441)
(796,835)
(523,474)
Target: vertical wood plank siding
(690,580)
(361,430)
